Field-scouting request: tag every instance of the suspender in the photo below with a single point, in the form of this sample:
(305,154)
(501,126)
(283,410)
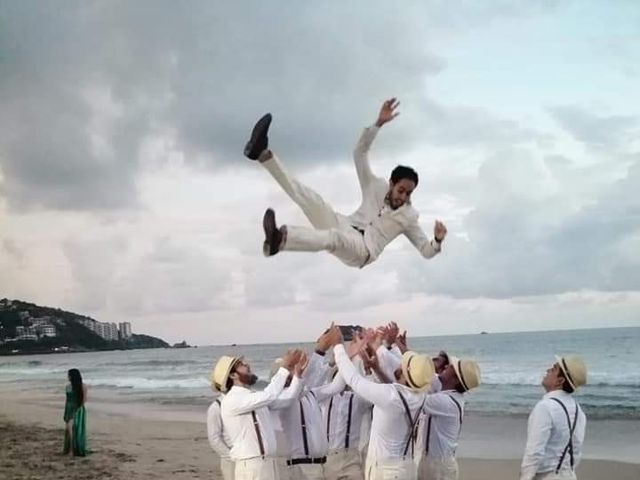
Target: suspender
(572,429)
(218,401)
(258,434)
(303,424)
(346,438)
(428,433)
(329,418)
(412,423)
(429,422)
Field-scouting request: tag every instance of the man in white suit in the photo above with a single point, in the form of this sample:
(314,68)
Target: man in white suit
(358,239)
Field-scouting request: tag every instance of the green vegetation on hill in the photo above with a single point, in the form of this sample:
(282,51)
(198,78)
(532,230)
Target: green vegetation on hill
(71,335)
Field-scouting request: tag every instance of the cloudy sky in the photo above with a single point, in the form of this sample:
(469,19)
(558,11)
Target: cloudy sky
(124,194)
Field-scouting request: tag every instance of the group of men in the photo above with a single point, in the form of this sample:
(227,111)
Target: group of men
(376,411)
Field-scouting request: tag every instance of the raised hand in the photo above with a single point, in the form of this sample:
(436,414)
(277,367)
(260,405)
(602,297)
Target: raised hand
(357,343)
(388,111)
(439,231)
(327,339)
(301,366)
(291,358)
(401,341)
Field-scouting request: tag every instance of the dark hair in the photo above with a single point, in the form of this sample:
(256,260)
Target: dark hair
(459,388)
(566,386)
(76,384)
(401,172)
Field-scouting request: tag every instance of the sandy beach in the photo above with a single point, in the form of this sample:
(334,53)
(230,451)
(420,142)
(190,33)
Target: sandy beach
(147,442)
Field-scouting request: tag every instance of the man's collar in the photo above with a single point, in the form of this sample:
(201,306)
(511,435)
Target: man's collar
(556,394)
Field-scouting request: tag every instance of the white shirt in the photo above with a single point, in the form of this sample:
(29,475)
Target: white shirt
(236,408)
(380,223)
(218,437)
(390,428)
(442,412)
(389,360)
(291,421)
(548,435)
(343,416)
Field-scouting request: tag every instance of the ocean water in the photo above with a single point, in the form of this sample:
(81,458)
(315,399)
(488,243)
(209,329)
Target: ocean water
(512,366)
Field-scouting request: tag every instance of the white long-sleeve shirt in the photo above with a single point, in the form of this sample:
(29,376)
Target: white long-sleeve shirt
(390,428)
(237,420)
(380,223)
(218,438)
(291,421)
(343,416)
(389,360)
(441,423)
(548,435)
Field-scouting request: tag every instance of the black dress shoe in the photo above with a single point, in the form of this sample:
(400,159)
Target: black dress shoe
(272,234)
(259,140)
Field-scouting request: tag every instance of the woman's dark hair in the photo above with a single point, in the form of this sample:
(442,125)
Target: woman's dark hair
(76,384)
(401,172)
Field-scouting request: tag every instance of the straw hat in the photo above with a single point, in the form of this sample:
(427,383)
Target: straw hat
(418,370)
(467,371)
(574,369)
(220,373)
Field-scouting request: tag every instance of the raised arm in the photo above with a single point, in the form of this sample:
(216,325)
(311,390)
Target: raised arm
(427,248)
(330,389)
(240,404)
(361,153)
(380,394)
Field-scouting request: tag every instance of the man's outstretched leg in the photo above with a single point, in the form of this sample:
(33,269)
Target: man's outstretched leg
(345,243)
(320,213)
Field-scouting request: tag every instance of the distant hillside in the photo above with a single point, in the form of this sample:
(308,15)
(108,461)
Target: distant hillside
(29,328)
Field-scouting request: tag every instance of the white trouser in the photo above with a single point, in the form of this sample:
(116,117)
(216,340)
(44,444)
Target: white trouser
(256,469)
(438,468)
(282,468)
(331,231)
(344,465)
(400,469)
(227,467)
(311,471)
(561,475)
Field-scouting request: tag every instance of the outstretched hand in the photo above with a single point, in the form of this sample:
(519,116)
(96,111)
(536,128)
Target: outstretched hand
(439,231)
(388,111)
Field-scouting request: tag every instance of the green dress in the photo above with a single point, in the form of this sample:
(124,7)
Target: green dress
(73,411)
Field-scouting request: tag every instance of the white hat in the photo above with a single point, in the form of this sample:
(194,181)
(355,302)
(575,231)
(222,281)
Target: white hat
(467,371)
(220,373)
(418,370)
(574,369)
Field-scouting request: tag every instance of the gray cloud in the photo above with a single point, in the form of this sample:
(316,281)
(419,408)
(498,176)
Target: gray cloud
(596,130)
(84,84)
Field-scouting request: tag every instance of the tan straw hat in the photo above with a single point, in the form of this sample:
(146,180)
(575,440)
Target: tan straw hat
(418,370)
(220,373)
(574,369)
(467,371)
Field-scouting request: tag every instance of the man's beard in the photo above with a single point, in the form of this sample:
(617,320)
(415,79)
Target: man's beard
(247,378)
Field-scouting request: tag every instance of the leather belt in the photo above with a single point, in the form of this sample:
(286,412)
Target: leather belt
(299,461)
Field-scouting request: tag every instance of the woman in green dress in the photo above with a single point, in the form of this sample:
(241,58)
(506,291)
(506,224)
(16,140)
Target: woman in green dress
(75,434)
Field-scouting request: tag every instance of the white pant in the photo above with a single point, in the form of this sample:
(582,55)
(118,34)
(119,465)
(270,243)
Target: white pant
(227,467)
(561,475)
(344,465)
(438,468)
(331,231)
(391,470)
(256,469)
(305,471)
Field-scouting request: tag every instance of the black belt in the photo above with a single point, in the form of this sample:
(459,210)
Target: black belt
(361,231)
(299,461)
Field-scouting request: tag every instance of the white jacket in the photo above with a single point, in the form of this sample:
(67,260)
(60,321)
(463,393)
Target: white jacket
(380,223)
